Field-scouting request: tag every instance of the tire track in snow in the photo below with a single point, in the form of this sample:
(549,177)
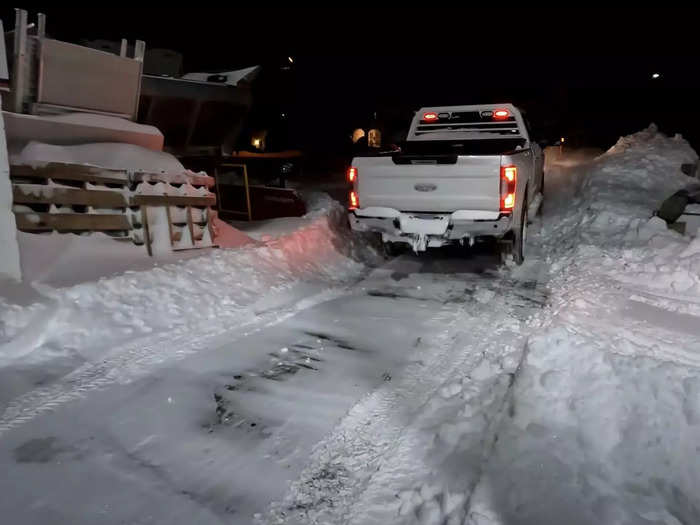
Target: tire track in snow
(136,358)
(637,331)
(370,447)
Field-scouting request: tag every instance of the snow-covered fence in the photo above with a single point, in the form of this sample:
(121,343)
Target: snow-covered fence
(164,211)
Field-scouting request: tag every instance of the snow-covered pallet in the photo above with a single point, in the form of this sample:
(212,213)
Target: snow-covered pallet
(164,211)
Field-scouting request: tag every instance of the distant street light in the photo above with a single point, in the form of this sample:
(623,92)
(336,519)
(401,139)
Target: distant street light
(655,75)
(291,60)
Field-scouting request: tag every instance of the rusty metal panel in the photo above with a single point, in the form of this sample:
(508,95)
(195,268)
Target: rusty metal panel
(84,78)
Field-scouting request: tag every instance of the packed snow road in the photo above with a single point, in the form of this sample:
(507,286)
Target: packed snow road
(218,435)
(315,384)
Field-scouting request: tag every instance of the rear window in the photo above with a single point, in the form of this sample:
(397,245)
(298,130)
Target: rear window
(463,147)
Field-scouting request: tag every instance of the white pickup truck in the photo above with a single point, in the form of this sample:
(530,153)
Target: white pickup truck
(464,172)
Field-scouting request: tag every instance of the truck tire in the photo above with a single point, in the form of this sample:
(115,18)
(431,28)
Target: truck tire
(520,237)
(512,248)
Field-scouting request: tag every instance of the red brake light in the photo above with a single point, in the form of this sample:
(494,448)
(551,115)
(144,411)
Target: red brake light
(501,114)
(509,173)
(430,116)
(352,174)
(509,179)
(354,202)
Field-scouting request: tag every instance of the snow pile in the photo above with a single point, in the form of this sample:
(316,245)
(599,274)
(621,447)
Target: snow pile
(610,200)
(226,236)
(215,290)
(110,155)
(604,214)
(102,121)
(603,418)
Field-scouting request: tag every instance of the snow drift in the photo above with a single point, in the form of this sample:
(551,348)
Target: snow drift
(603,420)
(110,155)
(219,288)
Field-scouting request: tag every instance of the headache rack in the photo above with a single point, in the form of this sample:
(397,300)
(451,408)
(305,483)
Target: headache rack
(452,124)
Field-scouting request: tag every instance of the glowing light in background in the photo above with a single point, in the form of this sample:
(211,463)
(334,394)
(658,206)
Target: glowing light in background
(357,135)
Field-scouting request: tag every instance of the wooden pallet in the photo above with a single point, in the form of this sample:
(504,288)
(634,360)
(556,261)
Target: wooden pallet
(77,198)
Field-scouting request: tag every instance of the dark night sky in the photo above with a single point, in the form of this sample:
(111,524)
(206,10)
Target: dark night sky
(586,72)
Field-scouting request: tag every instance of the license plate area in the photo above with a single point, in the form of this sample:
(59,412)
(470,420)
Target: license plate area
(432,226)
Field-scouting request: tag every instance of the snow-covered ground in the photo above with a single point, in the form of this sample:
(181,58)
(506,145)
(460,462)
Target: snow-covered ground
(297,379)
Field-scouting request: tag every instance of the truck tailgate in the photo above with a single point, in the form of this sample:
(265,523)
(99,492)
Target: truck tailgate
(423,185)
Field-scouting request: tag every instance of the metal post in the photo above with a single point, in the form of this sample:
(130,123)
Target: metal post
(247,192)
(18,68)
(139,50)
(41,28)
(122,50)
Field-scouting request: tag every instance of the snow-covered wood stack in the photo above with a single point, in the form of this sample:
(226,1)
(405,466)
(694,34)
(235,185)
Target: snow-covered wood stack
(164,211)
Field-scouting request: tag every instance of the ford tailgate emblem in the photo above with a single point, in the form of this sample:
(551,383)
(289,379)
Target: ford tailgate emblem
(425,187)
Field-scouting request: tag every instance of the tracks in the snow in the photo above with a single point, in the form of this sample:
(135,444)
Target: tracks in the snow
(380,448)
(136,358)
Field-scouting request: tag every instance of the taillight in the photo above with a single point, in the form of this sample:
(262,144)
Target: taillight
(352,174)
(509,179)
(430,116)
(501,114)
(354,202)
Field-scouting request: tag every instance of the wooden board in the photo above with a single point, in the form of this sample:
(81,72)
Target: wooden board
(76,172)
(71,222)
(172,200)
(81,77)
(32,194)
(83,173)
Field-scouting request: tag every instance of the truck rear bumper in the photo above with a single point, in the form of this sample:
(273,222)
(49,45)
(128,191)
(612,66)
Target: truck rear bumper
(423,230)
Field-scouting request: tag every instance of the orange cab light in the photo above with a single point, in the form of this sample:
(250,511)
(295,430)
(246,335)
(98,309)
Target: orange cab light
(352,174)
(430,116)
(501,114)
(354,203)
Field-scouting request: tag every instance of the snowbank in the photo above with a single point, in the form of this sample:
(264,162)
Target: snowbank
(604,213)
(226,236)
(102,121)
(216,289)
(110,155)
(66,259)
(602,423)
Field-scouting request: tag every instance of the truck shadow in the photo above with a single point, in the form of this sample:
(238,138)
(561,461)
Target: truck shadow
(481,259)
